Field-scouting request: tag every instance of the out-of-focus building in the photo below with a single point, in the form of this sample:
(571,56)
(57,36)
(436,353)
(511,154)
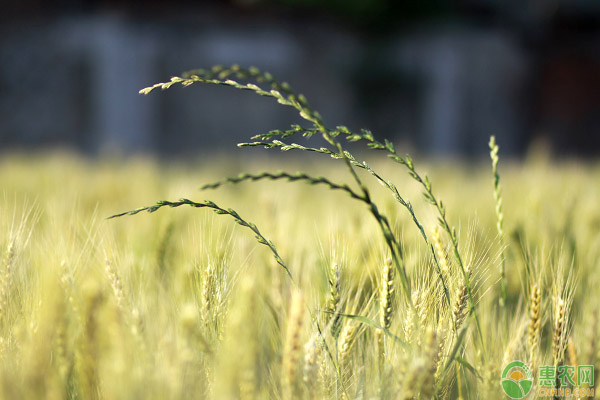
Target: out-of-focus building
(440,78)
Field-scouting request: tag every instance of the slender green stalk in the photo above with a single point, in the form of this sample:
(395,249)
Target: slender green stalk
(299,176)
(221,211)
(500,224)
(284,95)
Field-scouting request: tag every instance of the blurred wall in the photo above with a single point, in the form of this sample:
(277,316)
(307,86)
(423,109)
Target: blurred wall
(442,85)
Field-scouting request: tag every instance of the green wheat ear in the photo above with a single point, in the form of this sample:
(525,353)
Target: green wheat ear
(500,224)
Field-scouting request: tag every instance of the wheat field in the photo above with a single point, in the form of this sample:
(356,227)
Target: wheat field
(307,289)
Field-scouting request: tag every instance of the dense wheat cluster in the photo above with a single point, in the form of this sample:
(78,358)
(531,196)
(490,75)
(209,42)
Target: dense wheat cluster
(349,286)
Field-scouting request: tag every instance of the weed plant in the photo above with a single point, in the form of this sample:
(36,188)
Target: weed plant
(363,294)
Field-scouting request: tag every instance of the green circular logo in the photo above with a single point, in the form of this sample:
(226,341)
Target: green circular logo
(517,380)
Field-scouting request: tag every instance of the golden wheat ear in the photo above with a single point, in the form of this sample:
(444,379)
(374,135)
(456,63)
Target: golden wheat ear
(292,352)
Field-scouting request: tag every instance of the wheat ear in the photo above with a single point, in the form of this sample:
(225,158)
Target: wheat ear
(441,254)
(460,304)
(312,356)
(293,348)
(559,331)
(6,279)
(533,330)
(385,306)
(333,303)
(431,353)
(345,345)
(115,282)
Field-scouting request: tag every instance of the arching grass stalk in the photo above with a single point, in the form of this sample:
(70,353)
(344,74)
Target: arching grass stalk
(500,224)
(284,95)
(289,177)
(221,211)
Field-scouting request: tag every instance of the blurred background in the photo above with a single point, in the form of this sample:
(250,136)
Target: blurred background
(437,76)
